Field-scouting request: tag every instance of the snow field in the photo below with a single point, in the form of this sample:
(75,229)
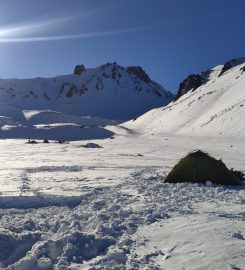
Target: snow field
(64,206)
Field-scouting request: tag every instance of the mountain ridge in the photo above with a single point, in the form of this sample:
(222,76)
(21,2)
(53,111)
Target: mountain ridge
(110,77)
(88,98)
(193,81)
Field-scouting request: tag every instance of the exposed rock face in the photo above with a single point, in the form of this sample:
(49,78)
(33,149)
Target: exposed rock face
(69,88)
(79,69)
(139,73)
(230,64)
(73,90)
(192,82)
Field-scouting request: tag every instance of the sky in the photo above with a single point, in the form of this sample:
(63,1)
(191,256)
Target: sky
(168,38)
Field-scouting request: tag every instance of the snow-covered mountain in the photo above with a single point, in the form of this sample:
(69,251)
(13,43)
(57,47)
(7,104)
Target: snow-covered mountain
(211,103)
(88,98)
(65,206)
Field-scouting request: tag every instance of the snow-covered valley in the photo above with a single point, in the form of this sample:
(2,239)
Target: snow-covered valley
(67,206)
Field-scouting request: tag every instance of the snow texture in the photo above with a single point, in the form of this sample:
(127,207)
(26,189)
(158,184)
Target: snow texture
(64,206)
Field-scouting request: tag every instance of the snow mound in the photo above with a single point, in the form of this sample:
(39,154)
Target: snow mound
(92,145)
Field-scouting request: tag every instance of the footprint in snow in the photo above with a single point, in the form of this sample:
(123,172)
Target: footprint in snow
(148,257)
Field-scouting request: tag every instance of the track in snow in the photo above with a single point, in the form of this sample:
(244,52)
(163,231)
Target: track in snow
(108,208)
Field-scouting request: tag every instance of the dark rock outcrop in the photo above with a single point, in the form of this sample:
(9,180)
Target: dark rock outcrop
(73,90)
(79,69)
(230,64)
(242,69)
(70,88)
(139,73)
(192,82)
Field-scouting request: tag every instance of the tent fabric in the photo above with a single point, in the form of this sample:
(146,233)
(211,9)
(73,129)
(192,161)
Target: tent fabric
(199,167)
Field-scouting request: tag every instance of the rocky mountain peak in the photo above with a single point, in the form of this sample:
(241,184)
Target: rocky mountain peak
(108,91)
(139,73)
(79,69)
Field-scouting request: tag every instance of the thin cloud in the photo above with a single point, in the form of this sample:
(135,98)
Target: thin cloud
(84,35)
(24,30)
(34,27)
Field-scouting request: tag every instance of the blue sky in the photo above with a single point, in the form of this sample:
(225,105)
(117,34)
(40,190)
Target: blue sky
(168,38)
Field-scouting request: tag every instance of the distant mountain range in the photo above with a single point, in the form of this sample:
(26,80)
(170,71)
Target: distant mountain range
(211,103)
(77,106)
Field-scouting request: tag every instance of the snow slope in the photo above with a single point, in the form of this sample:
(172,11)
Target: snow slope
(216,108)
(90,98)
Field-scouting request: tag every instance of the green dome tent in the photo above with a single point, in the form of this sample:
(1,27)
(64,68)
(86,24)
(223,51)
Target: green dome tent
(199,167)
